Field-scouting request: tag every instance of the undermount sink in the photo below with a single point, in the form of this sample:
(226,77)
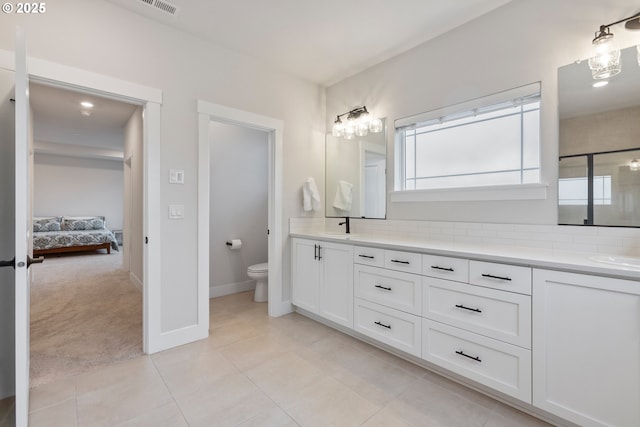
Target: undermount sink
(622,261)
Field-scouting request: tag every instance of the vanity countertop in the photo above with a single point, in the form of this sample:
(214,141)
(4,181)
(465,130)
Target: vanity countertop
(577,262)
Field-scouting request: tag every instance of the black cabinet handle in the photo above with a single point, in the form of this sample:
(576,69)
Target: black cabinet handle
(462,353)
(319,249)
(366,256)
(315,251)
(441,268)
(383,325)
(400,262)
(477,310)
(383,287)
(491,276)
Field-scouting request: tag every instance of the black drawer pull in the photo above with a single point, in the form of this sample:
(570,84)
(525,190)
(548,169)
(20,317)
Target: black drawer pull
(383,287)
(315,251)
(491,276)
(366,256)
(400,262)
(477,310)
(383,325)
(461,353)
(441,268)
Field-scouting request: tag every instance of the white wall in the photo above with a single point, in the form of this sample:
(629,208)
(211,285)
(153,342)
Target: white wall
(133,230)
(76,186)
(522,42)
(124,45)
(7,241)
(238,203)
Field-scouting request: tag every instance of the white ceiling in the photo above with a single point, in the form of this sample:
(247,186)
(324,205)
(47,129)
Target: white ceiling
(321,41)
(58,119)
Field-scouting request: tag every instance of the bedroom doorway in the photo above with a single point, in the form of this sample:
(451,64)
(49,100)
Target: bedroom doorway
(86,306)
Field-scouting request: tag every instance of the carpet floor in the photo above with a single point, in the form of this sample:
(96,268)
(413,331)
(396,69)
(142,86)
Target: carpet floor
(85,312)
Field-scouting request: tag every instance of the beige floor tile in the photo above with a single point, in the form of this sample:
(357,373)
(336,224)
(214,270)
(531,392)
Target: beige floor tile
(506,416)
(385,419)
(7,412)
(282,377)
(140,368)
(52,393)
(274,417)
(123,398)
(61,414)
(232,333)
(165,416)
(328,402)
(227,402)
(429,404)
(191,367)
(249,353)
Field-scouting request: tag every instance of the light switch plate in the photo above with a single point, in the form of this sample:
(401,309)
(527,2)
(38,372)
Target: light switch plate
(176,176)
(176,211)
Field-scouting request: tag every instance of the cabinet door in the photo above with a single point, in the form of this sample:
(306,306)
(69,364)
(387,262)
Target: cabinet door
(336,283)
(586,348)
(305,274)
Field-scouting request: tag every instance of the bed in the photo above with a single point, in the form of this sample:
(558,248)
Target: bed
(71,234)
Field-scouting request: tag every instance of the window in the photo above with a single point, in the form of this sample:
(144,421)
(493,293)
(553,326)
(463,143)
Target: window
(492,141)
(575,191)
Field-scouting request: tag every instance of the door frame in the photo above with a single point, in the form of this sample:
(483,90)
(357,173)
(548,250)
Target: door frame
(62,76)
(207,113)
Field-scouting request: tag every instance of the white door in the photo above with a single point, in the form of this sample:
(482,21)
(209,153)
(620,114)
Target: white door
(23,247)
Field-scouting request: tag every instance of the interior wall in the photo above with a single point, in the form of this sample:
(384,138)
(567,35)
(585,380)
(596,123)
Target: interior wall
(522,42)
(133,231)
(74,186)
(7,235)
(186,69)
(238,204)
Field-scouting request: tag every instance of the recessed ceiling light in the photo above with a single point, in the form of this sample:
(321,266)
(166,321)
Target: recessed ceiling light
(86,104)
(601,83)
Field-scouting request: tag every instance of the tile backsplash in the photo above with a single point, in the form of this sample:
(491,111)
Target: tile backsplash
(602,240)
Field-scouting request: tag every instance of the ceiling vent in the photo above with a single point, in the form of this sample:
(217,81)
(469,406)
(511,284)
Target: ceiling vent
(163,6)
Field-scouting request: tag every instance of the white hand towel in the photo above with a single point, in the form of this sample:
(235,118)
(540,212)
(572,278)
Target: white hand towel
(344,196)
(310,195)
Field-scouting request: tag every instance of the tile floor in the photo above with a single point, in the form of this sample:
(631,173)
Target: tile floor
(258,371)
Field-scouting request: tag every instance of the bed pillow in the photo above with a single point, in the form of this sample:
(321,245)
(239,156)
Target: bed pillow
(46,224)
(89,223)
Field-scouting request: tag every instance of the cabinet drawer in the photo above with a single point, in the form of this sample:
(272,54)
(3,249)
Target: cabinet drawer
(512,278)
(505,316)
(368,256)
(403,261)
(446,267)
(392,327)
(502,366)
(395,289)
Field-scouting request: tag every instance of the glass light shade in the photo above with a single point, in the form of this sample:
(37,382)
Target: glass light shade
(605,65)
(375,125)
(634,165)
(362,129)
(349,131)
(338,129)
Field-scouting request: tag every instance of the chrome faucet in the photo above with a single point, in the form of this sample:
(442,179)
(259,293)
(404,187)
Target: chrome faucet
(346,221)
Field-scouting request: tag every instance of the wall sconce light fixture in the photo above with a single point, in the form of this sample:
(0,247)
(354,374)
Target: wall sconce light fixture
(357,123)
(606,61)
(634,165)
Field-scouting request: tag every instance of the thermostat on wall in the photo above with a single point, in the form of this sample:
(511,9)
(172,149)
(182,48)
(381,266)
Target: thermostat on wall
(176,176)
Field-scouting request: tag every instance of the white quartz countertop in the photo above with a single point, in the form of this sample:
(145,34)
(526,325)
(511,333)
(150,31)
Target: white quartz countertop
(578,262)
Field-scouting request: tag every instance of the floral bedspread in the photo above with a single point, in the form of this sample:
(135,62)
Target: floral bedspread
(66,238)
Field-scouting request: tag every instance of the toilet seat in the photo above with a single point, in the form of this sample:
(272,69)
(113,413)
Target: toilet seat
(259,268)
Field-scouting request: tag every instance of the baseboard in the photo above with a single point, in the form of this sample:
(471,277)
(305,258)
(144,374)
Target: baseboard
(136,281)
(231,288)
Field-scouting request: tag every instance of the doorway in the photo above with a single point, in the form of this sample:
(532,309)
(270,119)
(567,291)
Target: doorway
(86,306)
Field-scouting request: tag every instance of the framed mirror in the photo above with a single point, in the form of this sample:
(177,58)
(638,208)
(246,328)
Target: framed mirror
(355,179)
(599,145)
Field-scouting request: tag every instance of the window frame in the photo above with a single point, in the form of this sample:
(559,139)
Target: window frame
(521,191)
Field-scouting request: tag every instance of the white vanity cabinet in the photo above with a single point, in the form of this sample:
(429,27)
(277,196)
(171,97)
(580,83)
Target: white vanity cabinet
(586,348)
(322,278)
(480,329)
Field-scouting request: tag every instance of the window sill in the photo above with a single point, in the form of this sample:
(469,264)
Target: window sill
(495,193)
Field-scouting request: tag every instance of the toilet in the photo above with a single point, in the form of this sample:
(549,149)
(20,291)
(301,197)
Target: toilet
(259,273)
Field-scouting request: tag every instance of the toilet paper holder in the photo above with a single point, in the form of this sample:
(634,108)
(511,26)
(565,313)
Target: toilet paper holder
(234,244)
